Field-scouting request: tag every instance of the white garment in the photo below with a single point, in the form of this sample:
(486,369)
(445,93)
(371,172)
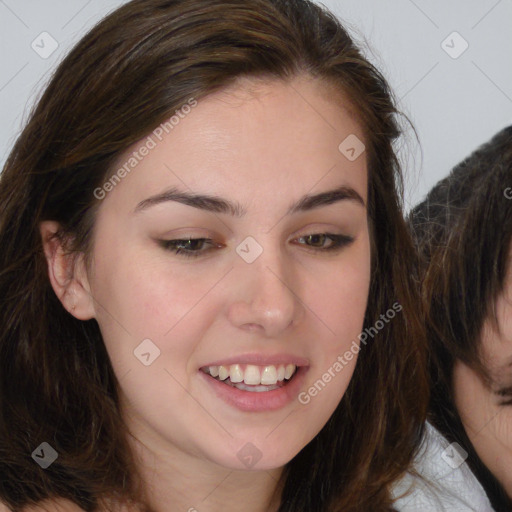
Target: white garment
(442,488)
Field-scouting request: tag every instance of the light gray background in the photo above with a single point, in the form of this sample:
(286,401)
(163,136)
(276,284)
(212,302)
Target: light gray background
(455,104)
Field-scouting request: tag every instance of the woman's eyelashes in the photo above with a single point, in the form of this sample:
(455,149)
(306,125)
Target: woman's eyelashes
(193,247)
(505,395)
(189,247)
(338,242)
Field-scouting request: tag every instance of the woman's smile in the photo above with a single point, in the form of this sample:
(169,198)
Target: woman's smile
(255,388)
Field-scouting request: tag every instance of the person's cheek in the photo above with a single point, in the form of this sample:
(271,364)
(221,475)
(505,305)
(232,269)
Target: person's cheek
(471,401)
(343,303)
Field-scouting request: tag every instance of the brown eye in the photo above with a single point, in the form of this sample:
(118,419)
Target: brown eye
(189,247)
(317,241)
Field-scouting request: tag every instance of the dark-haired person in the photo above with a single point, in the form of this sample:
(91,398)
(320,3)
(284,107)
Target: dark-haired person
(463,231)
(199,223)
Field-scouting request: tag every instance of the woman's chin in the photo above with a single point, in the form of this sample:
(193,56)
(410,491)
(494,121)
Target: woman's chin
(250,458)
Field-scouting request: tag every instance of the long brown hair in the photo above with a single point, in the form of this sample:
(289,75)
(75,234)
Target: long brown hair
(124,78)
(463,232)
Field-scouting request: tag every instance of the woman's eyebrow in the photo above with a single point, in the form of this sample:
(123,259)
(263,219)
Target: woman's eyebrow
(220,205)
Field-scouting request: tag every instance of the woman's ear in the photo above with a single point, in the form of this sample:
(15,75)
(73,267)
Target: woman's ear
(67,274)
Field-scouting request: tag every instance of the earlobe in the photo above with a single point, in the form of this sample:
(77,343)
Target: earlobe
(66,273)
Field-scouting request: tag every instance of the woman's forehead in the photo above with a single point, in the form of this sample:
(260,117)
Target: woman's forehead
(285,140)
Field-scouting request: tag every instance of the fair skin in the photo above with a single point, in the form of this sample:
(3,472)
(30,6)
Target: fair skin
(261,145)
(486,416)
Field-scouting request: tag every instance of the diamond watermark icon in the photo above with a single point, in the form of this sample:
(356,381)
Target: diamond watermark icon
(146,352)
(249,250)
(454,455)
(454,45)
(44,45)
(352,147)
(44,455)
(249,455)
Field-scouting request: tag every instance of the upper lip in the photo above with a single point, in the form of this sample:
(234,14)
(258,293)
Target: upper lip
(260,360)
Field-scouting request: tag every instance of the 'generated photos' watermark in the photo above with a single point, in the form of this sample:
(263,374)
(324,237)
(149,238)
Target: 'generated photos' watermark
(151,142)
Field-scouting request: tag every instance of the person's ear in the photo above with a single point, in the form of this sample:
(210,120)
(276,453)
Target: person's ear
(67,274)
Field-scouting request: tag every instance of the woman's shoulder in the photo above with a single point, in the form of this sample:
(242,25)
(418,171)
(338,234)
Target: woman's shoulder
(440,480)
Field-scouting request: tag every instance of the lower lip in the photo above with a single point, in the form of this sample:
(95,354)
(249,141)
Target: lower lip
(252,401)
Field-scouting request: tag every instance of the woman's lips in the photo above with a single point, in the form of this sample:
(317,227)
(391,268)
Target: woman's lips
(260,359)
(257,397)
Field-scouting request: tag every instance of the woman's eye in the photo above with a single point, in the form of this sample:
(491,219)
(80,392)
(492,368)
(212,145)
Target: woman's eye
(505,395)
(318,240)
(194,247)
(189,247)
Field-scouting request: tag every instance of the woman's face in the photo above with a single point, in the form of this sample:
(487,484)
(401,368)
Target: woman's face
(265,295)
(487,412)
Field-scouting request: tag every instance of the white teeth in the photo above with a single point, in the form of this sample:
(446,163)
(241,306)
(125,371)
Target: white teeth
(223,373)
(269,375)
(235,373)
(254,389)
(290,368)
(253,375)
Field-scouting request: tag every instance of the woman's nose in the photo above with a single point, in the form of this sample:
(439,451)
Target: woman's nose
(267,295)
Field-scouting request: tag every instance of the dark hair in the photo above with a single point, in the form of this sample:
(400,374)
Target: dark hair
(463,231)
(124,78)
